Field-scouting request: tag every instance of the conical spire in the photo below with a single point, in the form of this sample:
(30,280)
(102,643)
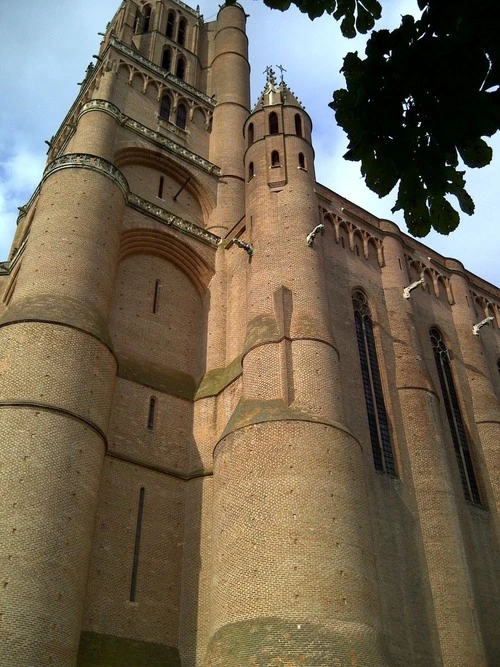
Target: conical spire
(276,93)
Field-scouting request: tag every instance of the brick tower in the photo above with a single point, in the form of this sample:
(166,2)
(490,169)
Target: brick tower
(244,421)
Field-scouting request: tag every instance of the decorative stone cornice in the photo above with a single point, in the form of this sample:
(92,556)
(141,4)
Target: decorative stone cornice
(86,161)
(164,75)
(155,137)
(162,215)
(173,147)
(104,106)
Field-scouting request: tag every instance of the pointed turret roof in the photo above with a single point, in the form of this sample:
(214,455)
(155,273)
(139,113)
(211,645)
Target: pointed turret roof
(276,93)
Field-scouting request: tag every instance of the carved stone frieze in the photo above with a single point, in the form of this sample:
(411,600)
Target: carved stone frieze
(87,161)
(172,220)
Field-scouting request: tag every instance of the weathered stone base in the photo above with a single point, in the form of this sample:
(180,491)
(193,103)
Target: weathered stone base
(276,642)
(99,650)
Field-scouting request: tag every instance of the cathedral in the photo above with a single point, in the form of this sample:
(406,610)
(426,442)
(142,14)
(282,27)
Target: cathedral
(245,423)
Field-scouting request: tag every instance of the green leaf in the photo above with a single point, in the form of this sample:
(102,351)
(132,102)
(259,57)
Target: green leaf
(364,20)
(475,153)
(444,218)
(464,199)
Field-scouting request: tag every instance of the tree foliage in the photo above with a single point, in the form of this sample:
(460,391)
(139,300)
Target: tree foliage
(421,99)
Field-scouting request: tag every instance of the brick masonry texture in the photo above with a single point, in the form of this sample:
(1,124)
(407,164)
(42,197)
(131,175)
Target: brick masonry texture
(187,467)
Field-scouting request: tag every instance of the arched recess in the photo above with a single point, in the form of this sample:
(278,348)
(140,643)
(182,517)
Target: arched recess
(170,248)
(159,333)
(164,164)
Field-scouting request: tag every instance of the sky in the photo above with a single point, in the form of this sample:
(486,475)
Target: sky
(45,48)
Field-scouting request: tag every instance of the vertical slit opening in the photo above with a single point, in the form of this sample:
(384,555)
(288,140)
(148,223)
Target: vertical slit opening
(137,547)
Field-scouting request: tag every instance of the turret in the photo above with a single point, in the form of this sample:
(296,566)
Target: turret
(298,579)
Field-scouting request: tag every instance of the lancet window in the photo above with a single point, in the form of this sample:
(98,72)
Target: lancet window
(273,123)
(455,421)
(165,106)
(170,24)
(181,116)
(378,422)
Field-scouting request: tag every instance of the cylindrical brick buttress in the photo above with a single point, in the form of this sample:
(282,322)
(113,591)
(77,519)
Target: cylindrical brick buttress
(55,393)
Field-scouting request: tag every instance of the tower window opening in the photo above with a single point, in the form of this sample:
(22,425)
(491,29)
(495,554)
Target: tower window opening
(251,172)
(180,69)
(181,116)
(137,22)
(152,401)
(250,134)
(454,415)
(170,24)
(273,123)
(275,159)
(378,423)
(166,60)
(302,161)
(181,32)
(147,18)
(165,106)
(298,125)
(137,546)
(160,187)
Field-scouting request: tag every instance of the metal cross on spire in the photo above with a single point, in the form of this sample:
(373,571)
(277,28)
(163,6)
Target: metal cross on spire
(271,77)
(281,69)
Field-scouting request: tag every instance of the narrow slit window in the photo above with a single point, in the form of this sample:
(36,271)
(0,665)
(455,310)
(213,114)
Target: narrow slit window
(152,408)
(166,60)
(298,125)
(273,123)
(156,296)
(137,547)
(165,106)
(170,24)
(147,18)
(275,159)
(181,116)
(251,171)
(181,32)
(302,161)
(160,189)
(458,435)
(378,423)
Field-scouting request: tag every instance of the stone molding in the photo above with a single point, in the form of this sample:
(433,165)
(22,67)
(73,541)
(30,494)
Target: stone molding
(87,161)
(155,137)
(172,220)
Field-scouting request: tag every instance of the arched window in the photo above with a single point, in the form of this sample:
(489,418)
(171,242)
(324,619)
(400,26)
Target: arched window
(170,24)
(181,32)
(180,68)
(251,172)
(166,60)
(378,423)
(275,159)
(273,123)
(298,125)
(180,119)
(302,161)
(250,134)
(457,428)
(165,106)
(147,18)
